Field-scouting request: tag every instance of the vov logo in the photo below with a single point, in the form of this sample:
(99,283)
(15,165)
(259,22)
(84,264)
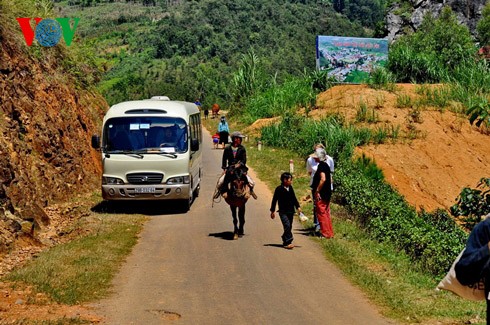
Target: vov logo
(48,31)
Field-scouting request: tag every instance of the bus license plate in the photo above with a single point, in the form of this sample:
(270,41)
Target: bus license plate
(144,190)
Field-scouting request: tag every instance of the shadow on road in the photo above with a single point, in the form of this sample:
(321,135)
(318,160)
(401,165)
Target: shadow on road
(150,208)
(275,245)
(226,235)
(280,246)
(309,232)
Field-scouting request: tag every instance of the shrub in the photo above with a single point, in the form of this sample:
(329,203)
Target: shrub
(432,240)
(472,204)
(320,81)
(431,53)
(483,26)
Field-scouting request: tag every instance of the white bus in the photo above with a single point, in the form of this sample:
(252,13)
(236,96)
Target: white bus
(151,150)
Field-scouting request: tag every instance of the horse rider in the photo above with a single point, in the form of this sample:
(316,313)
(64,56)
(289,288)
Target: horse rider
(234,156)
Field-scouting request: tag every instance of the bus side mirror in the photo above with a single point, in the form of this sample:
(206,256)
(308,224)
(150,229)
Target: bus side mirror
(95,141)
(194,144)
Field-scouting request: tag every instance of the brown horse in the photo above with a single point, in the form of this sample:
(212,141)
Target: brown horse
(215,110)
(236,195)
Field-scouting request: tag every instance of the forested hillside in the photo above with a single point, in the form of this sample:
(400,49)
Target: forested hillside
(190,49)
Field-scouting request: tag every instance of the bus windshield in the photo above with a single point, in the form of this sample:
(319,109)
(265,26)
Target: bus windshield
(145,134)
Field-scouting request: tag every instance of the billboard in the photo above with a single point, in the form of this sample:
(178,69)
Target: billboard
(350,59)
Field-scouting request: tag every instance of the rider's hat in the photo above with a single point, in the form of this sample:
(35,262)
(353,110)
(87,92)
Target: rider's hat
(237,134)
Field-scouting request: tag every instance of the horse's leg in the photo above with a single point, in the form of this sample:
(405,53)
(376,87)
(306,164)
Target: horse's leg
(241,217)
(235,219)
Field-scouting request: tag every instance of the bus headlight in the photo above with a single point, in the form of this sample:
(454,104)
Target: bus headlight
(112,181)
(179,180)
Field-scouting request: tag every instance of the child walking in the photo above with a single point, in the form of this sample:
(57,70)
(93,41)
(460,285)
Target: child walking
(285,197)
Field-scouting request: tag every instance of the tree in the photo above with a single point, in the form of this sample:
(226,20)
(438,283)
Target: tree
(483,26)
(434,51)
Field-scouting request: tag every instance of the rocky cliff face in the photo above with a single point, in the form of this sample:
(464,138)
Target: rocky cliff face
(401,21)
(46,122)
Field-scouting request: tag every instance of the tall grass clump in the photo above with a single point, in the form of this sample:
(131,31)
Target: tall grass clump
(408,65)
(250,78)
(321,81)
(470,85)
(279,100)
(299,133)
(364,114)
(361,112)
(382,78)
(403,101)
(363,135)
(474,76)
(380,135)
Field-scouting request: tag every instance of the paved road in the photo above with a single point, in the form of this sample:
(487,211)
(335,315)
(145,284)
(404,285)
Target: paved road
(186,270)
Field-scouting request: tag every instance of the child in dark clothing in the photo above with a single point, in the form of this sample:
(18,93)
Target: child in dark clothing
(285,197)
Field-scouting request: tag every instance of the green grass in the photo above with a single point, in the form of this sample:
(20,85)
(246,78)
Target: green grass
(279,100)
(438,97)
(82,270)
(388,278)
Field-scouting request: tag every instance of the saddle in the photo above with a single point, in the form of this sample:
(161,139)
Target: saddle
(237,184)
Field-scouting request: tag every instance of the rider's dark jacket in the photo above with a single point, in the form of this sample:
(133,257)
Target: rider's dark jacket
(229,158)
